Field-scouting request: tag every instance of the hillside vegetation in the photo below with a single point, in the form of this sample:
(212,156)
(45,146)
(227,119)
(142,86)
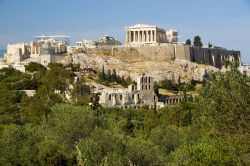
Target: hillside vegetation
(47,130)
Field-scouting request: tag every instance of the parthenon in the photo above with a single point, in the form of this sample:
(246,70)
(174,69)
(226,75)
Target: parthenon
(148,34)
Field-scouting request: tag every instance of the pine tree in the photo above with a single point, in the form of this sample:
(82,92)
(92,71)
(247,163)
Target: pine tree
(210,45)
(188,42)
(101,75)
(197,41)
(114,76)
(109,76)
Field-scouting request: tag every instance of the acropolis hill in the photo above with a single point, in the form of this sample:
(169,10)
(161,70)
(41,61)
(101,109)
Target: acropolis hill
(152,50)
(147,49)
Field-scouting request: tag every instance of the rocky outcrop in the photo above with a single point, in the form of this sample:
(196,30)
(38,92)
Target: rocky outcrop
(174,70)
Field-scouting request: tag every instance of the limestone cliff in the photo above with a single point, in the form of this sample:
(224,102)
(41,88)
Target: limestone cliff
(135,62)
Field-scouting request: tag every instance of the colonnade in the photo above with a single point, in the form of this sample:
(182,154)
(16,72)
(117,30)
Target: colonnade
(141,36)
(145,36)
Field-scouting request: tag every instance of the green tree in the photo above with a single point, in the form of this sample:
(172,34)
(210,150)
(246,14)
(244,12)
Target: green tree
(57,78)
(80,94)
(102,147)
(210,45)
(179,115)
(204,154)
(9,106)
(33,66)
(96,98)
(114,76)
(109,76)
(19,145)
(166,137)
(55,66)
(143,152)
(75,67)
(15,80)
(68,124)
(197,41)
(123,81)
(34,109)
(224,103)
(167,84)
(156,88)
(188,42)
(50,154)
(101,76)
(130,81)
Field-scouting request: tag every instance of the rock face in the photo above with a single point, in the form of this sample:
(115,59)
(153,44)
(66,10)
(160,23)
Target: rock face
(158,68)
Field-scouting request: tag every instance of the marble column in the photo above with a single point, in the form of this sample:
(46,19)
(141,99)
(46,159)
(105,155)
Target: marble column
(139,36)
(144,36)
(133,36)
(147,36)
(131,39)
(136,36)
(130,36)
(127,34)
(141,32)
(155,36)
(152,36)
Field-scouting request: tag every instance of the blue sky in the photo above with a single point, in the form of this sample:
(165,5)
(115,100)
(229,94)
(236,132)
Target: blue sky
(224,23)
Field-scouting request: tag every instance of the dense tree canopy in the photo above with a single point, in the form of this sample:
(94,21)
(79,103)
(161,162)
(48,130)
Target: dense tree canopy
(47,130)
(33,67)
(109,78)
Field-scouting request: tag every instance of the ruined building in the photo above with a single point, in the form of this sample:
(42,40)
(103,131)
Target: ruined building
(137,96)
(134,96)
(43,51)
(149,34)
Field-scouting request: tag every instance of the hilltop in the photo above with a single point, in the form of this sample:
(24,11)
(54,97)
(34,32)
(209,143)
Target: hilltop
(154,61)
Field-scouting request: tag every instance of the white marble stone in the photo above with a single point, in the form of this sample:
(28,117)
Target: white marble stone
(149,34)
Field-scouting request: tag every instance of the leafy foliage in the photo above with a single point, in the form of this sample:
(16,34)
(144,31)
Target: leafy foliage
(80,93)
(43,130)
(33,66)
(15,80)
(224,103)
(108,78)
(173,86)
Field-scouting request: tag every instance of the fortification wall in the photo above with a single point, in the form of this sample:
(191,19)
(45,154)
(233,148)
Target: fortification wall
(158,53)
(169,52)
(213,56)
(182,52)
(164,53)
